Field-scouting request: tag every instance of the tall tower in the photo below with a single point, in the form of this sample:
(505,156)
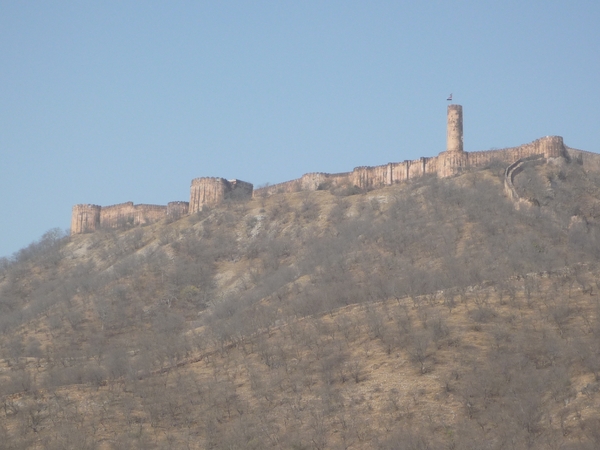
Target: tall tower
(455,129)
(454,159)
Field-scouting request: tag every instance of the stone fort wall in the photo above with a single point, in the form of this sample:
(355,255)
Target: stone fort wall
(129,214)
(447,164)
(88,218)
(210,191)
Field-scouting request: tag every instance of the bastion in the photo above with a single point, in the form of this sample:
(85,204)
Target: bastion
(211,191)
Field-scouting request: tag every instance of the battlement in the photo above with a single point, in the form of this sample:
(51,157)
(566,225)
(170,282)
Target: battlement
(85,218)
(124,214)
(239,189)
(210,191)
(176,210)
(88,218)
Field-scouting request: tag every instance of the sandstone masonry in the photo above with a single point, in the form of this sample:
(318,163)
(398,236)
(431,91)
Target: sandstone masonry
(86,218)
(210,191)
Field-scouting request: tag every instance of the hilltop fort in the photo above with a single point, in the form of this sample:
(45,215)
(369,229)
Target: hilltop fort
(210,191)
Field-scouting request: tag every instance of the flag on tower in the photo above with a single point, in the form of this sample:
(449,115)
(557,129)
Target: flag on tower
(449,98)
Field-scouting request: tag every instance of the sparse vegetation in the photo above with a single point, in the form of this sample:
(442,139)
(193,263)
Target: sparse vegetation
(432,314)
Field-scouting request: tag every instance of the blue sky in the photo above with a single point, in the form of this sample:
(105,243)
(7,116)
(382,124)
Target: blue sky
(107,102)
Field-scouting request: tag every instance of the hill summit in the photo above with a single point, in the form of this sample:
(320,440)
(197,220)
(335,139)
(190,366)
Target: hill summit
(441,312)
(210,191)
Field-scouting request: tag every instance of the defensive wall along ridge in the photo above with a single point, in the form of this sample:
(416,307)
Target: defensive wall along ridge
(210,191)
(86,218)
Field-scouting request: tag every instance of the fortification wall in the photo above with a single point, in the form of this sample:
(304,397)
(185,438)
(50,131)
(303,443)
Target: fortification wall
(85,218)
(447,164)
(364,177)
(589,160)
(451,163)
(146,214)
(240,189)
(316,180)
(278,188)
(307,182)
(421,167)
(114,216)
(400,171)
(516,168)
(206,191)
(127,213)
(177,210)
(369,177)
(392,173)
(509,187)
(209,191)
(549,146)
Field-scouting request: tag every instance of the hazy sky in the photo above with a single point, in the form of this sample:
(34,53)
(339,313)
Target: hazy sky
(107,102)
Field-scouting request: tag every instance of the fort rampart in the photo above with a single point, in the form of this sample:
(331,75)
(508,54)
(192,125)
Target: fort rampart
(513,170)
(87,218)
(129,214)
(210,191)
(447,164)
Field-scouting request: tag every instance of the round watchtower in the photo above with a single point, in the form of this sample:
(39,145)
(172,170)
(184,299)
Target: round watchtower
(85,218)
(455,129)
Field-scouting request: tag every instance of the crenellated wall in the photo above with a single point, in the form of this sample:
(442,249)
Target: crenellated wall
(308,182)
(364,177)
(209,191)
(448,163)
(85,218)
(177,210)
(514,169)
(239,189)
(549,146)
(206,191)
(589,160)
(115,216)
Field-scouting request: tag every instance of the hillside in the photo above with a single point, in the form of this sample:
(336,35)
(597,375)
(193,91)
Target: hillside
(433,314)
